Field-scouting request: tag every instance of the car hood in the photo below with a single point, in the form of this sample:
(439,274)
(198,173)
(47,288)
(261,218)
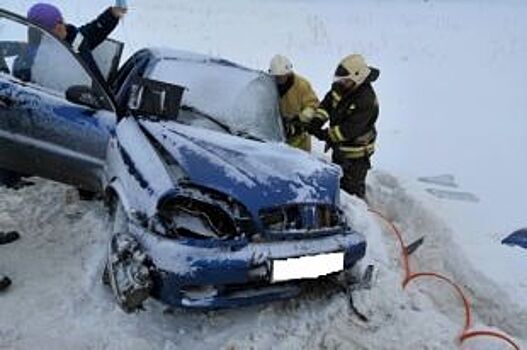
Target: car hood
(258,174)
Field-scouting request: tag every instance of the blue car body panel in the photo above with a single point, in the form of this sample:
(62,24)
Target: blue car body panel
(517,238)
(41,133)
(259,175)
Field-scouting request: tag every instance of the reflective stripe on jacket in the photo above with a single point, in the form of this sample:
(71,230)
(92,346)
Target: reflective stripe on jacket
(352,117)
(344,152)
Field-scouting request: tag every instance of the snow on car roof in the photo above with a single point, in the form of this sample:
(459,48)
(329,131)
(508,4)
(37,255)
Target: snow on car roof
(168,53)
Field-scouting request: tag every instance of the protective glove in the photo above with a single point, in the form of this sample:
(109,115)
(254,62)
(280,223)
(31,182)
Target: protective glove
(314,126)
(293,126)
(321,134)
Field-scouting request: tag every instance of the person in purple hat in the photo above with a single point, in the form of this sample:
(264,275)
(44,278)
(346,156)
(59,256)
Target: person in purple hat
(49,17)
(83,40)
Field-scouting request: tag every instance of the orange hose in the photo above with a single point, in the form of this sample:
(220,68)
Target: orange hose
(466,303)
(406,262)
(409,277)
(472,334)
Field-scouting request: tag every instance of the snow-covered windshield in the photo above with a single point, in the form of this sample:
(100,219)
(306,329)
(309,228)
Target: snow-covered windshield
(245,101)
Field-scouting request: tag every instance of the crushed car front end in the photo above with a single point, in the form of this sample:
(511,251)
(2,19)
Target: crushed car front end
(220,211)
(214,226)
(246,268)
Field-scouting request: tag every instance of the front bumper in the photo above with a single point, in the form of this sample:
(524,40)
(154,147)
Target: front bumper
(214,274)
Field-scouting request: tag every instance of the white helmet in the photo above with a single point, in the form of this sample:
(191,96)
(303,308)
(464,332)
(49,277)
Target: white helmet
(353,67)
(280,65)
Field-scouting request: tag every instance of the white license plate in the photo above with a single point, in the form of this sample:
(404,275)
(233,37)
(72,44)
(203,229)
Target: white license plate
(307,266)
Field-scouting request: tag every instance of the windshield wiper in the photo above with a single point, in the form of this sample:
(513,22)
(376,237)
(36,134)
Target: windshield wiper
(208,117)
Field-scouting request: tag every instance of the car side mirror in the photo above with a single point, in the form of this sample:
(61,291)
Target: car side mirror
(155,98)
(83,95)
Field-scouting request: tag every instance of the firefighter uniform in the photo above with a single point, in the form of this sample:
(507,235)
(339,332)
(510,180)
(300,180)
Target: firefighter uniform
(298,106)
(351,133)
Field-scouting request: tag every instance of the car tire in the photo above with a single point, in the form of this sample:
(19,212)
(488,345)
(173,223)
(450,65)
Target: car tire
(105,275)
(121,271)
(113,206)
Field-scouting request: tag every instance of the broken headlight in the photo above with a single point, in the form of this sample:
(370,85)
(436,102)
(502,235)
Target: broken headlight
(202,213)
(297,217)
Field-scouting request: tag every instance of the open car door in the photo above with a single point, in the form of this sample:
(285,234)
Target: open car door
(107,57)
(55,117)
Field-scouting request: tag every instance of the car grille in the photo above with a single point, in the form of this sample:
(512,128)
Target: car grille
(301,218)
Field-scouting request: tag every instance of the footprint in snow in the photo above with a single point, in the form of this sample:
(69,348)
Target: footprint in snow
(453,195)
(447,180)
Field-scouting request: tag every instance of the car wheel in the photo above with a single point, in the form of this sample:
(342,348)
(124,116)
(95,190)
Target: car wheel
(105,275)
(115,223)
(126,270)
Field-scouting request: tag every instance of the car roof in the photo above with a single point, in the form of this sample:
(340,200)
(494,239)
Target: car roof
(163,53)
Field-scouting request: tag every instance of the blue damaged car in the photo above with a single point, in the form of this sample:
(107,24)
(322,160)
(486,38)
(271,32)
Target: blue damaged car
(208,207)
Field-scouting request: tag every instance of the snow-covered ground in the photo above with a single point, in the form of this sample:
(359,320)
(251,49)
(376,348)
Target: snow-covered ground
(452,102)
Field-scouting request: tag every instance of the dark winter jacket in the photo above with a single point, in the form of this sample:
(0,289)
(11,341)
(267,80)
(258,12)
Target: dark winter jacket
(86,38)
(83,40)
(352,117)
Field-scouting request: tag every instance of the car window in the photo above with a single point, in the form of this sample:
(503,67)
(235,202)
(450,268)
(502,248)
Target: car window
(246,101)
(31,55)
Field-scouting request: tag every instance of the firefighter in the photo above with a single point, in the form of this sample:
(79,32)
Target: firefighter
(298,102)
(5,238)
(353,110)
